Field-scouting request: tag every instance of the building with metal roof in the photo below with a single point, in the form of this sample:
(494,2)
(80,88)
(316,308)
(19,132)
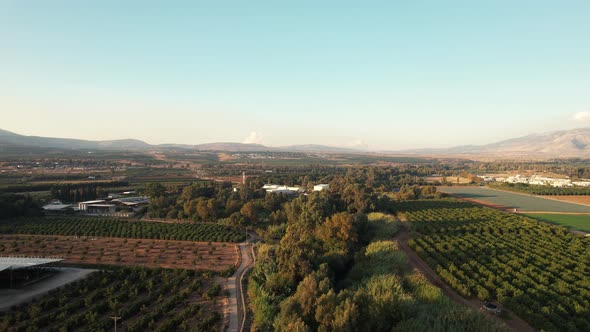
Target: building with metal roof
(14,263)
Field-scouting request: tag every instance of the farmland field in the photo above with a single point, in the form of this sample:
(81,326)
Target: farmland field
(539,271)
(513,200)
(575,221)
(108,227)
(451,179)
(145,299)
(581,199)
(128,252)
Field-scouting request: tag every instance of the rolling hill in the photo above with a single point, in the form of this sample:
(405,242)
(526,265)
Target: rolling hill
(13,139)
(574,143)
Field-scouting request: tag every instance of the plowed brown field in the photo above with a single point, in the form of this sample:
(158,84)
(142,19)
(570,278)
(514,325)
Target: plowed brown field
(214,256)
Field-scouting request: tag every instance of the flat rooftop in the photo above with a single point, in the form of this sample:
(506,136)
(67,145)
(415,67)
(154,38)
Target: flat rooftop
(22,262)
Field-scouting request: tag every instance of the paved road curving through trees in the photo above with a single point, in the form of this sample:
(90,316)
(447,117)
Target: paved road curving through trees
(236,307)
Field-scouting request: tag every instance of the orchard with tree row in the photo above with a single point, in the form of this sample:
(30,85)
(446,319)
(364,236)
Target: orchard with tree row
(145,299)
(108,227)
(539,271)
(541,190)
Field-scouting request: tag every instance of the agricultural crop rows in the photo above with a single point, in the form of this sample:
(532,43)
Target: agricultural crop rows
(105,227)
(146,299)
(542,190)
(189,255)
(539,271)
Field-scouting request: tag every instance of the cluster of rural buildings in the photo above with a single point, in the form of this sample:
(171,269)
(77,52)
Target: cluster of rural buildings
(110,205)
(537,180)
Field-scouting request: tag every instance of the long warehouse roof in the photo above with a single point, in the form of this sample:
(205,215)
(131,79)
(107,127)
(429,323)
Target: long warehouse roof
(20,262)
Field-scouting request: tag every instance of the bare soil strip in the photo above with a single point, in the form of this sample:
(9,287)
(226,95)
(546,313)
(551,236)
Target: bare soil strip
(580,199)
(216,256)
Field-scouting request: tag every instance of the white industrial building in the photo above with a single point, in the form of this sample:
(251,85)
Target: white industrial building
(277,189)
(320,187)
(83,206)
(97,207)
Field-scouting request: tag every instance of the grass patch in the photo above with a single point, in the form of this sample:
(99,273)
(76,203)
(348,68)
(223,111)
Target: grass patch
(574,221)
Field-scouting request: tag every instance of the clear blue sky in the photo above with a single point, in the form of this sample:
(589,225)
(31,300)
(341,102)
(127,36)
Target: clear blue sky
(390,74)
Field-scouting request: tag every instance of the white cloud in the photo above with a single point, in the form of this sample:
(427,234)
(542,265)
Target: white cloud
(358,144)
(582,116)
(254,138)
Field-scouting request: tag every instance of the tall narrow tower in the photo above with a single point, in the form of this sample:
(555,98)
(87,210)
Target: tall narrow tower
(243,178)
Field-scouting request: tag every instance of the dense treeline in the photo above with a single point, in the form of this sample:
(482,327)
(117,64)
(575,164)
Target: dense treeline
(540,190)
(104,227)
(335,270)
(209,201)
(77,192)
(539,271)
(358,190)
(65,191)
(574,168)
(16,205)
(145,299)
(275,173)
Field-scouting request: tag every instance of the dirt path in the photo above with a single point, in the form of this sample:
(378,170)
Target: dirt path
(415,262)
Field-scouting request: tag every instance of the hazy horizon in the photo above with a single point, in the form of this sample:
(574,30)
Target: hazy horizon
(384,76)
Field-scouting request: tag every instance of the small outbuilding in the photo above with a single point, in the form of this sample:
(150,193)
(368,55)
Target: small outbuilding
(320,187)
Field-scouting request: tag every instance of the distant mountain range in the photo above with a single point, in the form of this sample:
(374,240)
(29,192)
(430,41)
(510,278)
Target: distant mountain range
(8,138)
(559,144)
(574,143)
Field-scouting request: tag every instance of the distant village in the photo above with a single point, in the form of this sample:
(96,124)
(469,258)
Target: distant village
(537,180)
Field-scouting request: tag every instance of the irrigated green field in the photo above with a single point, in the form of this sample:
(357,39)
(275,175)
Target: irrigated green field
(514,200)
(575,221)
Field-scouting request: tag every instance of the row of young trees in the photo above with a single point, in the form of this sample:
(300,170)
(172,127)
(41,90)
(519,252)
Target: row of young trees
(540,271)
(84,191)
(107,227)
(541,190)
